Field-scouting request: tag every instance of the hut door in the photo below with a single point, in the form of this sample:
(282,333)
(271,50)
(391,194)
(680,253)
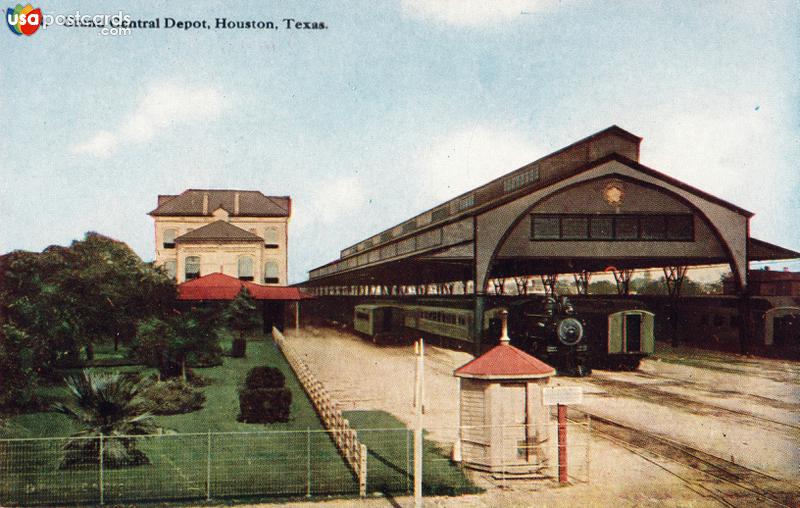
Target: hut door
(513,422)
(633,332)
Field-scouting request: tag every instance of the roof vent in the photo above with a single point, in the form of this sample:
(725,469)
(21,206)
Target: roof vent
(504,338)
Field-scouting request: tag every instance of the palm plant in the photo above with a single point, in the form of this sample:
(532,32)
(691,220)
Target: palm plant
(108,405)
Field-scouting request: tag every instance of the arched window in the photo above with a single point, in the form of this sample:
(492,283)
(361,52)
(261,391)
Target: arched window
(192,267)
(169,238)
(245,268)
(271,272)
(271,238)
(171,267)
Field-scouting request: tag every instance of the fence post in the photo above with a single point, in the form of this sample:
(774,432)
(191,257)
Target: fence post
(308,462)
(588,447)
(102,499)
(408,460)
(362,480)
(208,466)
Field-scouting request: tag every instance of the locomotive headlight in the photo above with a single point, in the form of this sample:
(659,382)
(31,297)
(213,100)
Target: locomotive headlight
(570,331)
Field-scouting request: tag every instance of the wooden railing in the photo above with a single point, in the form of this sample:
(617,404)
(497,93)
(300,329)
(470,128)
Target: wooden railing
(344,436)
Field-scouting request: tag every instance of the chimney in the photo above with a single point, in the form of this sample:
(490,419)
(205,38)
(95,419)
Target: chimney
(504,338)
(205,203)
(236,204)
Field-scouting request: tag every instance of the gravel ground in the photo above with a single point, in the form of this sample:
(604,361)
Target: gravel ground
(719,403)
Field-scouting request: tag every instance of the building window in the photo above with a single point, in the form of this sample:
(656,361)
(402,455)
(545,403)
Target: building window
(612,227)
(192,267)
(386,236)
(465,202)
(271,273)
(245,268)
(575,228)
(654,227)
(169,238)
(626,228)
(439,214)
(271,238)
(545,227)
(409,226)
(520,180)
(602,228)
(171,267)
(680,227)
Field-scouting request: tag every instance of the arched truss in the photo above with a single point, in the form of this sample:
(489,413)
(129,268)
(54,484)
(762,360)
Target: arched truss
(730,228)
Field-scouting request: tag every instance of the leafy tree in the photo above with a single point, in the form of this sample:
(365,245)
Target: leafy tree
(68,298)
(167,343)
(240,314)
(602,287)
(105,405)
(18,379)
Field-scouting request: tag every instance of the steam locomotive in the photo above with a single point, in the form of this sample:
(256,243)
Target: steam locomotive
(600,333)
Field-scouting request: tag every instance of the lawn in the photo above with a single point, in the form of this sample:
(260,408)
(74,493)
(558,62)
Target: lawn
(208,450)
(390,458)
(246,459)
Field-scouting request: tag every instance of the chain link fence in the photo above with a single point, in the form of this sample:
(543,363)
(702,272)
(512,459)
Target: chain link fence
(268,464)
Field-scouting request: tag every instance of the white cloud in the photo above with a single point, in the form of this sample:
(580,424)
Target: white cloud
(328,202)
(164,106)
(470,157)
(470,13)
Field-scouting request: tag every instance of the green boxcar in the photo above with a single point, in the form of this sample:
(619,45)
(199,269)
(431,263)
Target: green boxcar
(630,337)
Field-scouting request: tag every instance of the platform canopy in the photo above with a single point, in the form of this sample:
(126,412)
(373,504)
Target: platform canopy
(218,286)
(585,208)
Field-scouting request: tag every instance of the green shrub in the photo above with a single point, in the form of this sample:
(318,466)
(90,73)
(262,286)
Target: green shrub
(202,359)
(264,405)
(265,377)
(172,397)
(239,348)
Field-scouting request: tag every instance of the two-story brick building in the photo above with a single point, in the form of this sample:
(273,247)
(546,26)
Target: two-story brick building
(235,232)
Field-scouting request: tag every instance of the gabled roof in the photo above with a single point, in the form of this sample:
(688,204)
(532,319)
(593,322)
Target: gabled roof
(218,286)
(504,361)
(219,231)
(759,250)
(251,203)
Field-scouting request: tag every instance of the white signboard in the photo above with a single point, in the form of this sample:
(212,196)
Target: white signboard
(565,395)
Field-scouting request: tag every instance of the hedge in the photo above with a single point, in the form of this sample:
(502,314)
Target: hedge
(265,377)
(264,405)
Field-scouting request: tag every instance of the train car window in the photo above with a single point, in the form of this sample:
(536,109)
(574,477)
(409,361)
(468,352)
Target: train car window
(602,228)
(626,228)
(362,315)
(545,227)
(654,227)
(680,227)
(575,228)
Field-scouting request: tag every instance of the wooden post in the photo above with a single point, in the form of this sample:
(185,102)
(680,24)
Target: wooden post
(420,351)
(562,444)
(102,494)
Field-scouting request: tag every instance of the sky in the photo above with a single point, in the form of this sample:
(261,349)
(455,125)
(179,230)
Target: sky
(391,109)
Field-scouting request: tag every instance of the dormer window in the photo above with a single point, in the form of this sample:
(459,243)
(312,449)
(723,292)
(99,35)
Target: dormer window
(245,268)
(271,238)
(169,238)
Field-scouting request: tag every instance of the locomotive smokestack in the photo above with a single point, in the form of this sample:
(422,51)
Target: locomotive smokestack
(504,339)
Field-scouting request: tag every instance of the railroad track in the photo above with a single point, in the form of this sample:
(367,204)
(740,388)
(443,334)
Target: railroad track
(730,484)
(648,392)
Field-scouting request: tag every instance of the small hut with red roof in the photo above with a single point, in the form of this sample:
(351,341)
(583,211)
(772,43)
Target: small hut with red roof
(502,417)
